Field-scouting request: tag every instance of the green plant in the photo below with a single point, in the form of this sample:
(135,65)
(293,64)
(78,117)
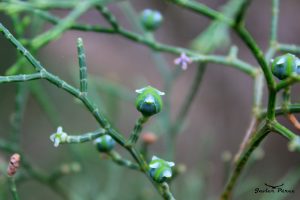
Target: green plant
(148,100)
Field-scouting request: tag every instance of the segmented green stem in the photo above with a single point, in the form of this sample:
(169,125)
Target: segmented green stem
(287,82)
(108,16)
(134,136)
(283,131)
(85,137)
(116,157)
(21,77)
(101,119)
(274,24)
(236,63)
(82,67)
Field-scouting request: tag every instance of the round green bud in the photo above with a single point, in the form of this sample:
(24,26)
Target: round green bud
(151,19)
(160,170)
(284,66)
(149,101)
(105,143)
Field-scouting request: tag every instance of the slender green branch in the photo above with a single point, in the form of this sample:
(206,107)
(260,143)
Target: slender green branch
(283,131)
(13,188)
(240,164)
(274,24)
(291,48)
(55,4)
(200,8)
(116,157)
(287,82)
(82,67)
(292,108)
(108,16)
(258,93)
(85,137)
(134,136)
(92,108)
(257,52)
(239,19)
(17,117)
(21,77)
(236,63)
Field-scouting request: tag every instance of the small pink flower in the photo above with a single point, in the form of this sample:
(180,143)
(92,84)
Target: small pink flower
(183,61)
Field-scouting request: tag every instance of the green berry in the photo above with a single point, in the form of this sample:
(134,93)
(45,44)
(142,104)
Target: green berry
(160,170)
(149,101)
(284,66)
(105,143)
(151,19)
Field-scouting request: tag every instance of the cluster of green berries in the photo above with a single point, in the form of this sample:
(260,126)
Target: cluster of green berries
(285,66)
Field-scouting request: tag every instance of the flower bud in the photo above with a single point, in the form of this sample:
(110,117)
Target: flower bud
(14,164)
(151,19)
(105,143)
(160,170)
(149,101)
(284,66)
(149,138)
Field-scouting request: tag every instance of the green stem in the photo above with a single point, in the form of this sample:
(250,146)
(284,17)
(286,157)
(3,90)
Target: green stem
(200,8)
(13,188)
(101,119)
(274,24)
(271,105)
(283,131)
(82,67)
(136,131)
(240,164)
(20,105)
(258,54)
(287,82)
(291,48)
(21,77)
(236,63)
(71,139)
(122,162)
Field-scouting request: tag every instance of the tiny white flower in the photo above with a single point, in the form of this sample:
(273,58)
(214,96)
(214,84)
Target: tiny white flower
(59,136)
(183,60)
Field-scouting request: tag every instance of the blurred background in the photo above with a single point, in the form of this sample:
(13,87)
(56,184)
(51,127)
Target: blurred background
(215,125)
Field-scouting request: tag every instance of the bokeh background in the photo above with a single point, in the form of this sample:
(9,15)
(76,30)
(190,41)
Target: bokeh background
(216,122)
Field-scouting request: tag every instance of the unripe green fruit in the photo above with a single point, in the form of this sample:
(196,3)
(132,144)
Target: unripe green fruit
(149,101)
(105,143)
(151,19)
(160,170)
(284,66)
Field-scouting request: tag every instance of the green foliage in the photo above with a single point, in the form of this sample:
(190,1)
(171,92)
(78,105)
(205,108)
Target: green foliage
(149,101)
